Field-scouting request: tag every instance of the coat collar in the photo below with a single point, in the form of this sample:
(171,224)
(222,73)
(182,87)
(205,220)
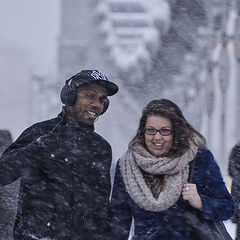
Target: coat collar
(68,121)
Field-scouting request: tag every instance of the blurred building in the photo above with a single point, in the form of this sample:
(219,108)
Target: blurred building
(182,50)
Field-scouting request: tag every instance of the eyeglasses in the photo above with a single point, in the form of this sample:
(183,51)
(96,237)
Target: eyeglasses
(163,131)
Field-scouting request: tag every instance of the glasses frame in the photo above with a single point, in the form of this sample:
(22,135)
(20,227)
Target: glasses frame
(158,130)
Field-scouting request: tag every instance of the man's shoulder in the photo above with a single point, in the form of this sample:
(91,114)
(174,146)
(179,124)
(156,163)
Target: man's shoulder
(235,153)
(46,124)
(38,129)
(237,147)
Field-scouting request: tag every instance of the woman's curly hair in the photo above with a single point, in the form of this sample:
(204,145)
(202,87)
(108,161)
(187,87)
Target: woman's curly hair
(182,130)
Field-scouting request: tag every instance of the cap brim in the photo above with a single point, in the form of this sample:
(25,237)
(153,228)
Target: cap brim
(111,87)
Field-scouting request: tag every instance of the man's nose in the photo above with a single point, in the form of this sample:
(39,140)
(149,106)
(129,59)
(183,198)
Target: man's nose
(96,102)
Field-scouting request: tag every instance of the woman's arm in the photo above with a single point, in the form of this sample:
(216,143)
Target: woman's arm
(120,209)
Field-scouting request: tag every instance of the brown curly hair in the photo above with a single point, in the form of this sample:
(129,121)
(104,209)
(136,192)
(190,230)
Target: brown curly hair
(182,129)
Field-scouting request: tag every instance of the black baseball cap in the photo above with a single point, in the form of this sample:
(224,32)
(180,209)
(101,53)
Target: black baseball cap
(94,76)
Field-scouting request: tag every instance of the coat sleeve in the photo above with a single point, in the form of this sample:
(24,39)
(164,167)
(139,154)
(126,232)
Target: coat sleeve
(120,209)
(217,201)
(20,158)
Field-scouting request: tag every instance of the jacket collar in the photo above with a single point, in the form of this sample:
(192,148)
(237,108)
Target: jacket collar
(68,121)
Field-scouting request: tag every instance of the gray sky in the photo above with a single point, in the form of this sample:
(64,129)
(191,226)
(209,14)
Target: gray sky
(28,44)
(31,25)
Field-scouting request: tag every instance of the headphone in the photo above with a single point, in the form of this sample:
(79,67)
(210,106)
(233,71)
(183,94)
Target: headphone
(68,94)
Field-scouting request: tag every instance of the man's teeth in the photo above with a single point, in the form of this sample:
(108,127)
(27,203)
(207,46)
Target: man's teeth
(92,113)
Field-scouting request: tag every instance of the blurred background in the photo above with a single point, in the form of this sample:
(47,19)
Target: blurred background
(187,51)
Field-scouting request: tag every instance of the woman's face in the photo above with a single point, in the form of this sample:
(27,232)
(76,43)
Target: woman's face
(158,143)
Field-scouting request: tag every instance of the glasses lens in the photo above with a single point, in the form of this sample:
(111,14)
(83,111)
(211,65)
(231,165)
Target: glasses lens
(165,131)
(162,131)
(150,131)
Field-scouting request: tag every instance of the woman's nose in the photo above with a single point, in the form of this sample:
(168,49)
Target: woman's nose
(158,136)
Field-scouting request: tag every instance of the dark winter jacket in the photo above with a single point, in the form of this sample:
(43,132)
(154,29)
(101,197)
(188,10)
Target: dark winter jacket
(170,224)
(65,181)
(234,172)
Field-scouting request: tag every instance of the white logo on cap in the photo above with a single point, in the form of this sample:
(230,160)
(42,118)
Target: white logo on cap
(98,75)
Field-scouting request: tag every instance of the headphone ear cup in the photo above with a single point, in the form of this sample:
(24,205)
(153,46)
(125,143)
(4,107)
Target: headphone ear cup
(106,105)
(68,95)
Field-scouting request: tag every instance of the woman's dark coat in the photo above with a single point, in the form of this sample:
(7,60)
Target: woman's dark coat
(65,182)
(170,224)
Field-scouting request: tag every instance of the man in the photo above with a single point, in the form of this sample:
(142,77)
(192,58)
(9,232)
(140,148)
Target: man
(64,167)
(234,172)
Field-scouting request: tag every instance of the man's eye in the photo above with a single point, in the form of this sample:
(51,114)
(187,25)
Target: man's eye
(90,96)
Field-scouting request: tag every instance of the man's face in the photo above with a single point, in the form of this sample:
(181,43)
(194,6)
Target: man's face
(89,103)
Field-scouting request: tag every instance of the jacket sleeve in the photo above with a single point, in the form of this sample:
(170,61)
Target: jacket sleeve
(217,201)
(120,209)
(20,158)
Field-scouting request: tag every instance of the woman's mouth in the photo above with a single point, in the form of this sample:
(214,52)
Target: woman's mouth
(158,145)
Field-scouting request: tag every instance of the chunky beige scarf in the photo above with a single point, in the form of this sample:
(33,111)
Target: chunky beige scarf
(175,171)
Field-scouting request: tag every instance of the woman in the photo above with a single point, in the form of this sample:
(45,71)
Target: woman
(151,182)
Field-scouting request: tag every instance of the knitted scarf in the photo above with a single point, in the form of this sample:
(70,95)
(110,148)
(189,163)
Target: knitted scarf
(175,171)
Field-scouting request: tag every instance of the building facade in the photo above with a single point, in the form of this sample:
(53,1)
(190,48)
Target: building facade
(175,49)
